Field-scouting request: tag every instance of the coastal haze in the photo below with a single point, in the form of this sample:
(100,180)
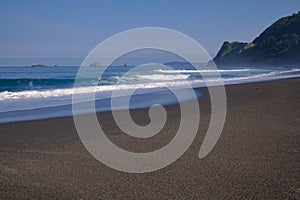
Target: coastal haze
(64,32)
(102,100)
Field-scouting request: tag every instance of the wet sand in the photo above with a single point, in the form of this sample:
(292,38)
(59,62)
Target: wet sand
(256,157)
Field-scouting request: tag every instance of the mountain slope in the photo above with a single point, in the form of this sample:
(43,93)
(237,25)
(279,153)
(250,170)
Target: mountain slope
(278,45)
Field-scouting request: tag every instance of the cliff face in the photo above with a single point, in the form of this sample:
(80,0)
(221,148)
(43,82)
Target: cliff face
(278,45)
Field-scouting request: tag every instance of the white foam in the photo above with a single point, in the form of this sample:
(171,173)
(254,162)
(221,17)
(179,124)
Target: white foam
(161,77)
(200,71)
(160,82)
(10,101)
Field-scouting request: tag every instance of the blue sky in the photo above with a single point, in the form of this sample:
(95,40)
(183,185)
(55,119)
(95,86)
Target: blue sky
(64,31)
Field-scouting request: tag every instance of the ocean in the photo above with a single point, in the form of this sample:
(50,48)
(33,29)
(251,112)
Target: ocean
(31,93)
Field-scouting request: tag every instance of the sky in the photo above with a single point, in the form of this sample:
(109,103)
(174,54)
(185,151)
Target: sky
(64,31)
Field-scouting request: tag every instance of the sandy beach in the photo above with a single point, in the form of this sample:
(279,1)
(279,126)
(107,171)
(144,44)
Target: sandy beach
(256,157)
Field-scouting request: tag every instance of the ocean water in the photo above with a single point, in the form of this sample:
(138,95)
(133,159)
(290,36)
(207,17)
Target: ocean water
(30,93)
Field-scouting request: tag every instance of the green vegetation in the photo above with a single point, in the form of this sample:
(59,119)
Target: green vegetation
(278,45)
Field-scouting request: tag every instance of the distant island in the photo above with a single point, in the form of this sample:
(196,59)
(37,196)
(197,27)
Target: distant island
(178,63)
(96,64)
(42,65)
(38,65)
(182,64)
(278,45)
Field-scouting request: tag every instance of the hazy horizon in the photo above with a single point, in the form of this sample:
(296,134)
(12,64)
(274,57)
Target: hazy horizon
(64,32)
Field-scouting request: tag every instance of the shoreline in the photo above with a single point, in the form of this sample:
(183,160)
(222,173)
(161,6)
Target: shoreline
(61,111)
(257,155)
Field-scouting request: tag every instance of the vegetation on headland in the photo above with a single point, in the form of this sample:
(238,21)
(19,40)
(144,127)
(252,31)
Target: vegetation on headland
(278,45)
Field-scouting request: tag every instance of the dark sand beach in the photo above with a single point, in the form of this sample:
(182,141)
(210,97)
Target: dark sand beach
(256,157)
